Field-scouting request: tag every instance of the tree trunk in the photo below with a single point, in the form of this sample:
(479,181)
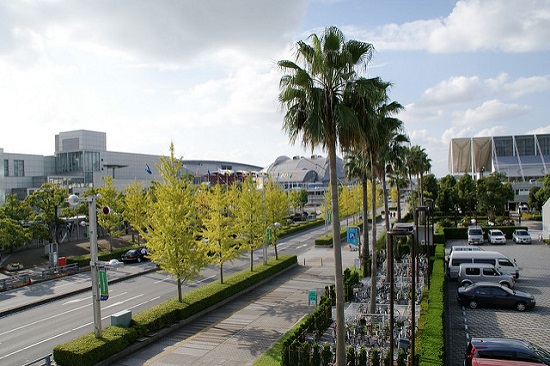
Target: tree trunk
(339,284)
(251,260)
(221,273)
(373,291)
(387,222)
(365,247)
(398,203)
(178,279)
(275,245)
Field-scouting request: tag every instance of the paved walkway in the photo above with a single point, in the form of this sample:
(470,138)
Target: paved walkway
(241,331)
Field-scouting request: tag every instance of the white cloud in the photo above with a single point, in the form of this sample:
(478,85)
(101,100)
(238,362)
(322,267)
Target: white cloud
(539,131)
(163,32)
(492,111)
(503,25)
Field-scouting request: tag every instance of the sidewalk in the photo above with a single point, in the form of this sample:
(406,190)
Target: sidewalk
(244,329)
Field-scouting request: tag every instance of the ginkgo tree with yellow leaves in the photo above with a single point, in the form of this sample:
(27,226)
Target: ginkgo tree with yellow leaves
(171,228)
(218,227)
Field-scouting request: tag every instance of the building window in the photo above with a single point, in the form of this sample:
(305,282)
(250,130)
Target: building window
(18,168)
(503,146)
(525,145)
(6,168)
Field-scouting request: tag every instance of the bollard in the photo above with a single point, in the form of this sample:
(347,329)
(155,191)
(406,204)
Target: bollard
(304,261)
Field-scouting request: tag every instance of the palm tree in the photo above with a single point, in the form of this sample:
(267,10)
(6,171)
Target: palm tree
(398,177)
(313,96)
(418,163)
(357,166)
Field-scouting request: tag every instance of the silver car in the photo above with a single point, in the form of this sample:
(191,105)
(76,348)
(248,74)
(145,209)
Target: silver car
(496,236)
(521,236)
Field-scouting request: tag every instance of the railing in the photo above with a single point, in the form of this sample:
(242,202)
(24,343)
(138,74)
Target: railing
(27,279)
(42,361)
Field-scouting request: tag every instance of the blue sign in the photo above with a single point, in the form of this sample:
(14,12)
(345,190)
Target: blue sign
(353,235)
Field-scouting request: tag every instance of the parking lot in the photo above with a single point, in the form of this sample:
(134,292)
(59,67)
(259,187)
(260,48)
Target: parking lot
(534,326)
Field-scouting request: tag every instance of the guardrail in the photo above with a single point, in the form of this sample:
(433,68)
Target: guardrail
(19,280)
(42,361)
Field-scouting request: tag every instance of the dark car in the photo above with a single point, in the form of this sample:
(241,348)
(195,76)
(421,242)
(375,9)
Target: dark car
(494,294)
(134,255)
(506,350)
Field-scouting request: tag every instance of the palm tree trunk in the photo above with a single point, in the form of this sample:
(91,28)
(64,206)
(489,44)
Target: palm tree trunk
(387,222)
(365,247)
(398,203)
(339,285)
(374,264)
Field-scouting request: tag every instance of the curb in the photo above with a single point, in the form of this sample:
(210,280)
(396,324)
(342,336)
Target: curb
(62,296)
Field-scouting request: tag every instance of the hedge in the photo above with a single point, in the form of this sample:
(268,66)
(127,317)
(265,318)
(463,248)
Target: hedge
(88,350)
(431,344)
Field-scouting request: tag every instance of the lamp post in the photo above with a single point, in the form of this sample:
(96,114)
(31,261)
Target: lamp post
(429,240)
(74,200)
(457,210)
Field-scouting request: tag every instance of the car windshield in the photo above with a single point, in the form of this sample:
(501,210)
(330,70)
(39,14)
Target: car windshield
(475,232)
(498,233)
(521,233)
(542,353)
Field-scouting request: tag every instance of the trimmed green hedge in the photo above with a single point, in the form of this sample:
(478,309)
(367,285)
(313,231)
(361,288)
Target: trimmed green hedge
(87,350)
(431,344)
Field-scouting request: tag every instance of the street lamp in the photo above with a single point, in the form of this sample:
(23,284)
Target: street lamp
(457,211)
(429,241)
(73,201)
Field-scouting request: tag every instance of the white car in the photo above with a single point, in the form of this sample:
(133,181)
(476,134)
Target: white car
(521,236)
(496,236)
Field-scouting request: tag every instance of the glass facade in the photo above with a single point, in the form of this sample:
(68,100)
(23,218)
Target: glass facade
(19,168)
(504,146)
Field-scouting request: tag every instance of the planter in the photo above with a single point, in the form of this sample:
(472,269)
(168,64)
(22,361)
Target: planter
(11,267)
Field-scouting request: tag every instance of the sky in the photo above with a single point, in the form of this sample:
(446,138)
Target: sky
(203,74)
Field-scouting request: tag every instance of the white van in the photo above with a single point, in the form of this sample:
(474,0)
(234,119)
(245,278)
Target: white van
(501,262)
(475,235)
(469,273)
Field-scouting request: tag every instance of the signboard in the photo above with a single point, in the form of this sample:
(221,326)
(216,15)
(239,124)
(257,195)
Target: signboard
(312,298)
(269,234)
(352,235)
(104,290)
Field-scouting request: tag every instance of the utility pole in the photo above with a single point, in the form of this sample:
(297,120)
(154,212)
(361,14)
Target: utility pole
(74,200)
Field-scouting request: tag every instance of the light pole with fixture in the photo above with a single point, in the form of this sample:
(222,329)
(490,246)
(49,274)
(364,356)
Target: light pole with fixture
(74,200)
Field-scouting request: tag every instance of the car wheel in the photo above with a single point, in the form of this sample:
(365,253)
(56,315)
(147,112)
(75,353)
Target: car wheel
(139,259)
(521,306)
(506,284)
(473,304)
(466,283)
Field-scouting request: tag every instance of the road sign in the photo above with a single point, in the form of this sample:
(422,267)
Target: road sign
(104,289)
(269,234)
(312,298)
(352,234)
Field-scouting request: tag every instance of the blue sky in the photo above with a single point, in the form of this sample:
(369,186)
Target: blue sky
(202,74)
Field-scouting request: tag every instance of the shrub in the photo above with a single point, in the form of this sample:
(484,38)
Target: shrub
(88,350)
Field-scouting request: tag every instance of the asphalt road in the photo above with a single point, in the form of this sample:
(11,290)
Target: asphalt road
(31,334)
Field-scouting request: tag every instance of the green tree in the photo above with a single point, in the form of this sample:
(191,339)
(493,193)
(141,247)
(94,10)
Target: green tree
(431,188)
(249,217)
(47,202)
(447,195)
(298,199)
(218,228)
(535,200)
(494,192)
(276,209)
(313,95)
(12,234)
(135,207)
(112,201)
(543,194)
(171,226)
(15,209)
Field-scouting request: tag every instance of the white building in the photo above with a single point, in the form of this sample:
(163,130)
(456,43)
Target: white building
(81,160)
